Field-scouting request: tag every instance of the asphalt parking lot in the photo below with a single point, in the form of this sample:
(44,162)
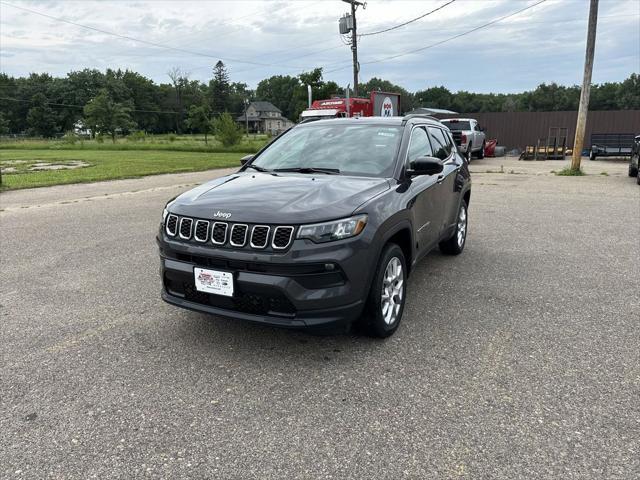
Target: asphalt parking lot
(518,359)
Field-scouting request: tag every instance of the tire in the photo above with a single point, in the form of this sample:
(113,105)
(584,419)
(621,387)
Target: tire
(633,170)
(481,152)
(592,155)
(469,153)
(638,178)
(380,318)
(454,245)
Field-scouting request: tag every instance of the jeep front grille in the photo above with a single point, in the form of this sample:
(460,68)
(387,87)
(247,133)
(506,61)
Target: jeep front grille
(282,237)
(219,233)
(230,235)
(201,233)
(172,225)
(259,236)
(239,235)
(185,228)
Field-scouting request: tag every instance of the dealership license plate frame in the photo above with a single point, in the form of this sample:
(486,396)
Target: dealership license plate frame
(220,282)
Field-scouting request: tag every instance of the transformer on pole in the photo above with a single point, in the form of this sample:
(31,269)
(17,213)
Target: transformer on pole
(347,24)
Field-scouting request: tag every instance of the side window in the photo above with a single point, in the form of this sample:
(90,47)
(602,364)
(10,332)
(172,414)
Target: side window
(450,141)
(419,145)
(442,148)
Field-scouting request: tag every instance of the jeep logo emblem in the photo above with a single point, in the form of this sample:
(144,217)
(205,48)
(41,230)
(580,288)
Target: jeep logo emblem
(220,214)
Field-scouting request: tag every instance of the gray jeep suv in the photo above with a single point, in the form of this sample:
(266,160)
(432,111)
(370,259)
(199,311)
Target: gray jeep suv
(322,227)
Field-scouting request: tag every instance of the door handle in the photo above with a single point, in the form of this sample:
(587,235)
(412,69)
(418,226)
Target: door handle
(440,179)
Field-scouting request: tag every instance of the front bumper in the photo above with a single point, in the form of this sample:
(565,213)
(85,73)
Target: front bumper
(308,286)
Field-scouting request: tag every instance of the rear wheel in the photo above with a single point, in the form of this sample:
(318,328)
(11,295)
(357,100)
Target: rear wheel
(592,155)
(385,303)
(455,244)
(633,169)
(469,153)
(638,179)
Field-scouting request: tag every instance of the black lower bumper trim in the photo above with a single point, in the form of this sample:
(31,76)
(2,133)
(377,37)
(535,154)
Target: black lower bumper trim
(333,317)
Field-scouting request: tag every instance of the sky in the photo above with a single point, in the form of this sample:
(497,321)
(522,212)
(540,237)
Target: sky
(260,38)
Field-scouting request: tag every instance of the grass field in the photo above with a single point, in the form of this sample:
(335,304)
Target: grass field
(102,165)
(108,161)
(179,143)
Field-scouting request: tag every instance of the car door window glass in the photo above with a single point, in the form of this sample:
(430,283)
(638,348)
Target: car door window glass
(419,145)
(441,147)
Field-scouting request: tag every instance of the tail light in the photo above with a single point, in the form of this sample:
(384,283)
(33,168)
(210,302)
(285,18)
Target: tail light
(463,138)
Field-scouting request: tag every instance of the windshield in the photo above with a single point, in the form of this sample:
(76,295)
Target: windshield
(361,150)
(457,124)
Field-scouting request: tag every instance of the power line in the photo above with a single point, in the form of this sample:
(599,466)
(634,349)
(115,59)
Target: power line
(407,22)
(146,42)
(409,52)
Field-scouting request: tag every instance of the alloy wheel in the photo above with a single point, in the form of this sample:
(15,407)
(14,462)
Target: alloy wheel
(392,291)
(462,226)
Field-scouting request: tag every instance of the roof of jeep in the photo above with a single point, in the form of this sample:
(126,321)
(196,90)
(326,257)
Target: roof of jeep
(372,121)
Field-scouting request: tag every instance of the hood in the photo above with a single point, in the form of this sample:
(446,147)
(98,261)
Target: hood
(283,198)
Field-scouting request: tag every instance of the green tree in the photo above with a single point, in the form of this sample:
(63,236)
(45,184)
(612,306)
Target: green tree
(41,118)
(283,91)
(4,124)
(145,98)
(107,116)
(629,93)
(227,130)
(220,89)
(198,119)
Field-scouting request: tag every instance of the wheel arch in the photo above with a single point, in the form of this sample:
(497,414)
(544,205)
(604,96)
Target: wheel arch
(402,235)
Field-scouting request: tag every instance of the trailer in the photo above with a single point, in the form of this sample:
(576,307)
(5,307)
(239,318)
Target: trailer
(611,145)
(379,104)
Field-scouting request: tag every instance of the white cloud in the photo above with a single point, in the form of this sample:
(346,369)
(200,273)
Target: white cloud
(543,44)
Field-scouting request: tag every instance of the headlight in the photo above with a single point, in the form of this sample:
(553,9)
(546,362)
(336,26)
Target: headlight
(335,230)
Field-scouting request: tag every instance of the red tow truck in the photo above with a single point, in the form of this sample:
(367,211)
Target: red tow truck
(380,104)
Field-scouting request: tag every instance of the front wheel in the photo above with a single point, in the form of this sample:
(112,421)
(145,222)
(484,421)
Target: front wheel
(455,244)
(385,303)
(633,170)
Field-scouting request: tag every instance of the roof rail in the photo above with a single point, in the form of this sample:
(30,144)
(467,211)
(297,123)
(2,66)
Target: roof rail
(418,115)
(311,119)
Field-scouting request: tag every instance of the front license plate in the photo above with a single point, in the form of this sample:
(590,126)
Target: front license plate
(213,281)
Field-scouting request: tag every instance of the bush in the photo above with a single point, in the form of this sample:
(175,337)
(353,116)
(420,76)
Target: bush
(227,130)
(138,136)
(70,137)
(172,137)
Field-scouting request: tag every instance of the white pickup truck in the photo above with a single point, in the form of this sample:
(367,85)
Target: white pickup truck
(468,136)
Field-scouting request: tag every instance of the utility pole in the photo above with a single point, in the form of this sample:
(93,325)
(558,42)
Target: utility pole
(350,25)
(246,116)
(583,108)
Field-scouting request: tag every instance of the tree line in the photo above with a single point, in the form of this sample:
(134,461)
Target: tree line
(125,101)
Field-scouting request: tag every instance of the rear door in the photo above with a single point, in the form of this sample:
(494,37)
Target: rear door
(423,204)
(445,188)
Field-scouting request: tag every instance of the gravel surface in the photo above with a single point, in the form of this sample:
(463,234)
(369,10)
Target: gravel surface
(518,359)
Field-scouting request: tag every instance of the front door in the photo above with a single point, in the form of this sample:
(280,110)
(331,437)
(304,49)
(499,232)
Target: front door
(427,216)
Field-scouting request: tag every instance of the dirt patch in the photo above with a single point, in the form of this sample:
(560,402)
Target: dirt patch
(58,166)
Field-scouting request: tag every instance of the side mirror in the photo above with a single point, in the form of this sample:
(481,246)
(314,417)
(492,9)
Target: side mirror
(425,166)
(482,129)
(245,159)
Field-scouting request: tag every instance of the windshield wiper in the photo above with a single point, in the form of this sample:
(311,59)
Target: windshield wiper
(258,168)
(328,171)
